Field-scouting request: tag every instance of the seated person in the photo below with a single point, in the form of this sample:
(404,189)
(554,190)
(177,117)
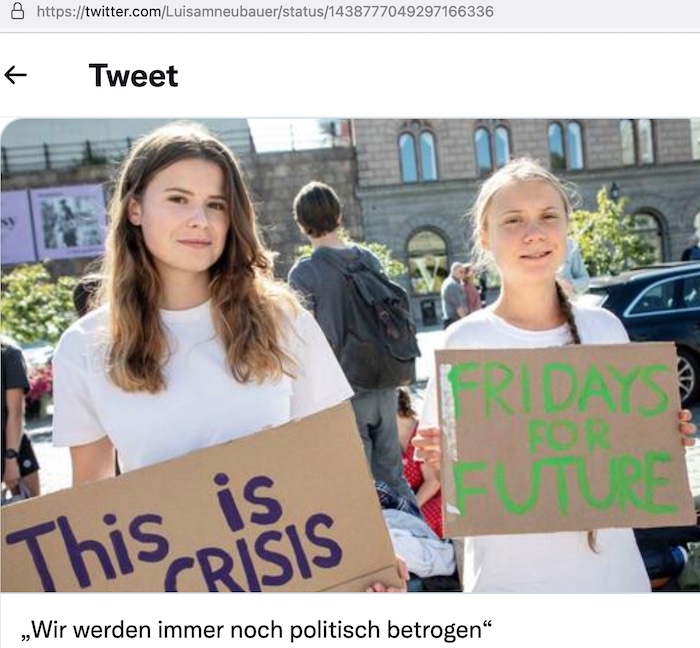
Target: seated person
(421,477)
(425,554)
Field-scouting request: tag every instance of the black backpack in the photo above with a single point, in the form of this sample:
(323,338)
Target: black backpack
(380,346)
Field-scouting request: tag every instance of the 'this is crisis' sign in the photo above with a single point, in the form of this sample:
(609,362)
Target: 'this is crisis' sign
(291,508)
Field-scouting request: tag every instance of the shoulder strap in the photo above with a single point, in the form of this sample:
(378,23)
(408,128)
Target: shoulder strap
(372,285)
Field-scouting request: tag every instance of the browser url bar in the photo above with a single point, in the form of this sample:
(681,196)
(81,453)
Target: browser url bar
(326,15)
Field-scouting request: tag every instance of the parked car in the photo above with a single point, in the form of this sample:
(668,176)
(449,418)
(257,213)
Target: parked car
(659,303)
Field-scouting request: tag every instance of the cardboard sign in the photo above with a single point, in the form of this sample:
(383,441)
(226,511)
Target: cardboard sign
(568,438)
(291,508)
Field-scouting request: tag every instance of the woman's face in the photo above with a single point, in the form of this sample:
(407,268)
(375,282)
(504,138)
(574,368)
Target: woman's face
(184,216)
(525,231)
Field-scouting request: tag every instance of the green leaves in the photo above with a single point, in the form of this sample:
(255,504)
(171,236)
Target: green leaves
(607,237)
(34,306)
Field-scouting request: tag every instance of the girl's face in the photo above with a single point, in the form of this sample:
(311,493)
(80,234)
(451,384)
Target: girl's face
(184,216)
(525,231)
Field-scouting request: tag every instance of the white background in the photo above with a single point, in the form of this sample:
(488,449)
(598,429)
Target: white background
(364,75)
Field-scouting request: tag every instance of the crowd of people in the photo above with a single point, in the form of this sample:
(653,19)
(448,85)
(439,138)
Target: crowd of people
(185,317)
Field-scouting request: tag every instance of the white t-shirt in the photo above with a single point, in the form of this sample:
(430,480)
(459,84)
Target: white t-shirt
(202,405)
(543,562)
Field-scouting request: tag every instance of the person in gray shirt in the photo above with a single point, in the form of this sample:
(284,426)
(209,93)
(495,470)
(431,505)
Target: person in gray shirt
(323,289)
(454,301)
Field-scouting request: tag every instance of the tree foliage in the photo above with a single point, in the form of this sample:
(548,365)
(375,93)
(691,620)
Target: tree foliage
(393,267)
(607,237)
(34,307)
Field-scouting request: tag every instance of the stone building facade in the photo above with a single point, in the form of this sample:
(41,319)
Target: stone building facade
(408,183)
(417,178)
(273,177)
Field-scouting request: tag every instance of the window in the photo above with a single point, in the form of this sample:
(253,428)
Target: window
(565,146)
(695,138)
(491,144)
(649,228)
(680,294)
(417,153)
(637,141)
(427,262)
(409,167)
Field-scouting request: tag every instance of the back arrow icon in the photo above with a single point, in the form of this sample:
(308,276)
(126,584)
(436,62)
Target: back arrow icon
(9,74)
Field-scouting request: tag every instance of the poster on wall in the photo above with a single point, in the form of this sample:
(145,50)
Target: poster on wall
(17,237)
(69,221)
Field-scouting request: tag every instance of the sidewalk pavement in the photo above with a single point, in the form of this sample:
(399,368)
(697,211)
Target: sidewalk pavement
(55,462)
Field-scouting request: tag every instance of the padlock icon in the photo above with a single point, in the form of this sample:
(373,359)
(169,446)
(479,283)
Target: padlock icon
(17,11)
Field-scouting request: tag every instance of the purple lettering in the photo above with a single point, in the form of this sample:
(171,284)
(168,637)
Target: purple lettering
(302,562)
(273,557)
(273,510)
(221,574)
(120,550)
(161,544)
(248,566)
(178,565)
(335,552)
(76,549)
(30,537)
(228,505)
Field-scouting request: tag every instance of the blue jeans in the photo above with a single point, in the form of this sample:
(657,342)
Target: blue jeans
(375,412)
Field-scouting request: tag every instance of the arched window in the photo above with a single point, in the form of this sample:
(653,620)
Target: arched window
(427,262)
(417,153)
(695,138)
(557,161)
(428,162)
(409,167)
(574,146)
(482,147)
(649,228)
(502,145)
(637,141)
(491,144)
(565,146)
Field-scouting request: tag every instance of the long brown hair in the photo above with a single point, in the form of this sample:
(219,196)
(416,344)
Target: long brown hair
(249,309)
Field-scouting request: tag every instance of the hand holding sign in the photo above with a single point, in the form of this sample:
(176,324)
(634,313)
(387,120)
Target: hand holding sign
(561,439)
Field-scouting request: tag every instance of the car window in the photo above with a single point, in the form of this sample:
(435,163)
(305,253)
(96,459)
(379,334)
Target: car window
(658,298)
(672,295)
(691,292)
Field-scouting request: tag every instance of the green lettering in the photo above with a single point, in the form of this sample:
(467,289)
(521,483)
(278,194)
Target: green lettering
(568,439)
(550,404)
(461,468)
(662,404)
(560,464)
(596,433)
(493,385)
(585,486)
(535,433)
(628,471)
(651,482)
(595,386)
(625,382)
(508,503)
(458,385)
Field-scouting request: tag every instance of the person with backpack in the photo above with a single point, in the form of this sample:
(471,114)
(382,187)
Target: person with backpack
(367,322)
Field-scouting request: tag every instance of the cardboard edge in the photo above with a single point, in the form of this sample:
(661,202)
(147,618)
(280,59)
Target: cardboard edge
(388,576)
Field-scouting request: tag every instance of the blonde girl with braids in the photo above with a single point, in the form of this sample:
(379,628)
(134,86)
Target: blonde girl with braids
(193,343)
(520,220)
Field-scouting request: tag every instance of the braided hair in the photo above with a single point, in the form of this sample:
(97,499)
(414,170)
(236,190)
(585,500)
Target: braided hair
(568,312)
